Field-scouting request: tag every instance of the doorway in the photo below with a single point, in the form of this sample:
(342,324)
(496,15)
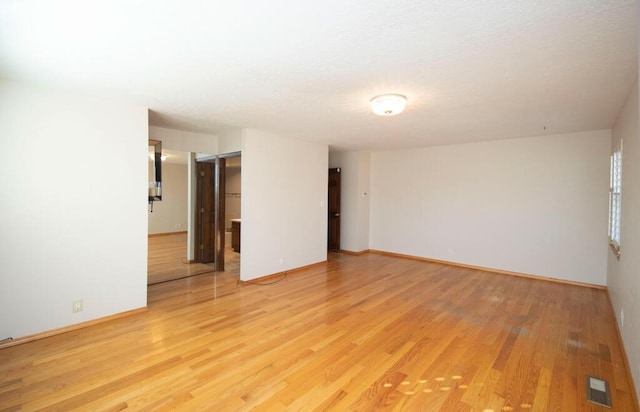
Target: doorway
(168,223)
(233,213)
(213,222)
(333,207)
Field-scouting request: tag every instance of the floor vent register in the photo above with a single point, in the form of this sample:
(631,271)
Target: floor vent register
(598,391)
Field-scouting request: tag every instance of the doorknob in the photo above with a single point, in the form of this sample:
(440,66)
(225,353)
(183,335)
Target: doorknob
(336,214)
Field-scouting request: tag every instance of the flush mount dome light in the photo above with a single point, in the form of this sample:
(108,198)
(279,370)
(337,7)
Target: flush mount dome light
(388,104)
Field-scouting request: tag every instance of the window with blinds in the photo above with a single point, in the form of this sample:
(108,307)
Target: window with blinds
(615,190)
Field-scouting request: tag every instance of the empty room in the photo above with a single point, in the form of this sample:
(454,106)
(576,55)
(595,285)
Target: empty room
(343,206)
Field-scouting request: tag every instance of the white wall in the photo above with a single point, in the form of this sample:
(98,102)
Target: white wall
(170,214)
(623,281)
(74,209)
(284,210)
(229,141)
(185,141)
(533,205)
(354,199)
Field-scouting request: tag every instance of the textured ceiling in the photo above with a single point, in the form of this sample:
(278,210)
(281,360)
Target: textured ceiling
(471,69)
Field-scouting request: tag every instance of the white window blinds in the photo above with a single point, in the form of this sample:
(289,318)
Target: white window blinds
(615,191)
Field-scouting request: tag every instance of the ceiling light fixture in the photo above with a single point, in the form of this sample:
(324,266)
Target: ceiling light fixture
(388,104)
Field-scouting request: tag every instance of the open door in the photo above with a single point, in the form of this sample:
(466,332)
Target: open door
(333,206)
(210,241)
(205,213)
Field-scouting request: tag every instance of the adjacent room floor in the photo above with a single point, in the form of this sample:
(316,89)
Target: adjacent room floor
(167,259)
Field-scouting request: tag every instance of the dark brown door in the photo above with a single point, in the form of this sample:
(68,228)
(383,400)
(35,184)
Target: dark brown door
(205,222)
(220,190)
(333,203)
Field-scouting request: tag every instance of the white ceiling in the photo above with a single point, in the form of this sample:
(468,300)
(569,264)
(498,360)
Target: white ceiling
(471,69)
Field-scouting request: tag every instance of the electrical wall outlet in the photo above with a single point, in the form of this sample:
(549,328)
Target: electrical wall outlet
(622,318)
(281,261)
(76,306)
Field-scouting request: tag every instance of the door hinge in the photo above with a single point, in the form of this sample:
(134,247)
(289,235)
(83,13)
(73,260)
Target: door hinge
(201,247)
(202,210)
(202,173)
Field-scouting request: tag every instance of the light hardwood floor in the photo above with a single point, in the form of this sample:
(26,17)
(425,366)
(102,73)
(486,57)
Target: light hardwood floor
(360,333)
(167,259)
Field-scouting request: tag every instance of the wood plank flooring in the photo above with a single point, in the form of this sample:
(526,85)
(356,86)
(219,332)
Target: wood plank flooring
(360,333)
(167,259)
